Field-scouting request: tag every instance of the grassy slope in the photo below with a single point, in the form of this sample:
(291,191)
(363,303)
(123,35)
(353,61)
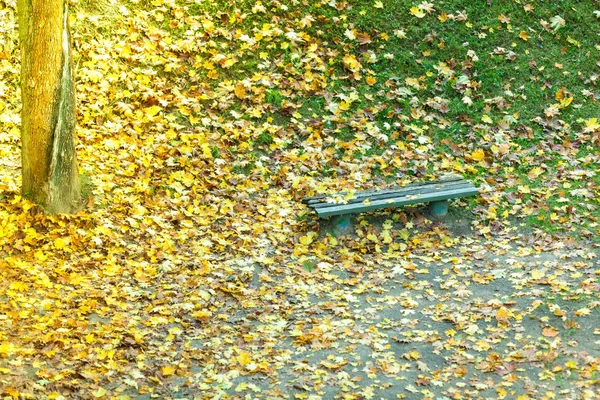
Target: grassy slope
(365,95)
(442,91)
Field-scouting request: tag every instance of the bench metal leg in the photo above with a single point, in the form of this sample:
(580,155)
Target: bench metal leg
(342,224)
(438,209)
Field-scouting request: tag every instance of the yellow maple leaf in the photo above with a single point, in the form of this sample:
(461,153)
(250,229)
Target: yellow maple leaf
(535,172)
(351,63)
(591,125)
(151,111)
(478,155)
(371,81)
(100,392)
(583,311)
(202,315)
(206,150)
(566,101)
(413,355)
(557,22)
(350,196)
(524,35)
(60,243)
(573,41)
(417,12)
(537,274)
(228,63)
(400,33)
(208,65)
(18,286)
(167,370)
(487,119)
(308,238)
(378,4)
(387,238)
(244,358)
(504,19)
(482,345)
(7,349)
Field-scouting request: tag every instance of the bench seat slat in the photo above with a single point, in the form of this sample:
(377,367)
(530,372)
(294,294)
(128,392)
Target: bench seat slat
(341,209)
(392,193)
(366,193)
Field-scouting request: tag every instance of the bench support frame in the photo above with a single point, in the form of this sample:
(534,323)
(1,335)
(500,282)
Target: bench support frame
(438,209)
(342,224)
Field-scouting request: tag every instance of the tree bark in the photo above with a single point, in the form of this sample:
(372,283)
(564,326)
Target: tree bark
(50,176)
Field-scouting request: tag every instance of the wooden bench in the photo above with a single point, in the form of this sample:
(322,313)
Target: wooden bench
(436,193)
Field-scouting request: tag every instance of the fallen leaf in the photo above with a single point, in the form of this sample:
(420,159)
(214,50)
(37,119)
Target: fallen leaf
(549,332)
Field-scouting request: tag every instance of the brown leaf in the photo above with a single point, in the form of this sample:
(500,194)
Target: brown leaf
(505,369)
(363,38)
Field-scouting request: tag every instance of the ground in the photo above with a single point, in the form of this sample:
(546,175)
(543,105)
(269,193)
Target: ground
(194,270)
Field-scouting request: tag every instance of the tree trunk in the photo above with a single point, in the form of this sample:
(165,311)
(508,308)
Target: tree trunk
(50,175)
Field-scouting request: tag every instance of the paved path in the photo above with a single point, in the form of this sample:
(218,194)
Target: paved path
(477,320)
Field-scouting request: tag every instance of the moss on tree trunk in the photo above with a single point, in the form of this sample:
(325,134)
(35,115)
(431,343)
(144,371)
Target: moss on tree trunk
(50,174)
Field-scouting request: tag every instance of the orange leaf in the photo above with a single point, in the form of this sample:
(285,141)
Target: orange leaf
(560,94)
(240,91)
(502,315)
(524,35)
(549,332)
